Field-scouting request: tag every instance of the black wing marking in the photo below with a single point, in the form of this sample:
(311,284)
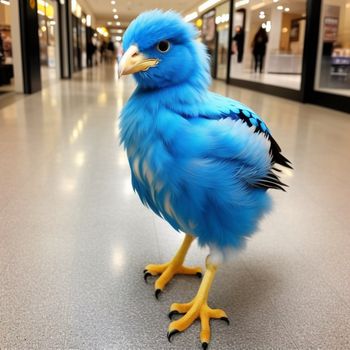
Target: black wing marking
(271,180)
(260,127)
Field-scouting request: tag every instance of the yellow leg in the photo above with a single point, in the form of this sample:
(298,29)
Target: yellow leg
(197,308)
(174,267)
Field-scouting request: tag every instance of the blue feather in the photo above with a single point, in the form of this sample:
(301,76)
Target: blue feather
(199,160)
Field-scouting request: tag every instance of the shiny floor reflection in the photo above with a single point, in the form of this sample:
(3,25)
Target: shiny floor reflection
(75,238)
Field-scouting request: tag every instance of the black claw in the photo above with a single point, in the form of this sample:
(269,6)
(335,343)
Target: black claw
(199,274)
(204,346)
(172,313)
(157,292)
(144,271)
(146,275)
(170,334)
(225,319)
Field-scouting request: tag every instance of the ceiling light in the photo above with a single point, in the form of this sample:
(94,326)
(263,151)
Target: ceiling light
(275,0)
(222,19)
(113,2)
(119,30)
(116,16)
(287,9)
(280,7)
(88,20)
(262,16)
(102,30)
(117,23)
(5,2)
(109,23)
(199,22)
(191,16)
(267,26)
(206,5)
(118,38)
(114,10)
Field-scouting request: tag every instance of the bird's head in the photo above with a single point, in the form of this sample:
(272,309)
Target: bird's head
(160,50)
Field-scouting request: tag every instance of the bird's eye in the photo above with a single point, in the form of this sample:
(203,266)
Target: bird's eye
(163,46)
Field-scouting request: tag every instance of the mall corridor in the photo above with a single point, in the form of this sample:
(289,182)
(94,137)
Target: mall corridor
(75,238)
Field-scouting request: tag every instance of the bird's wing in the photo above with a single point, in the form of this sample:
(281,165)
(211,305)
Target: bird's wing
(218,107)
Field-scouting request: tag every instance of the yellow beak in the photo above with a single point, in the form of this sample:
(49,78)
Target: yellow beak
(133,61)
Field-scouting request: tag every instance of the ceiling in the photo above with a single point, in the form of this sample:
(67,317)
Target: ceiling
(129,9)
(295,6)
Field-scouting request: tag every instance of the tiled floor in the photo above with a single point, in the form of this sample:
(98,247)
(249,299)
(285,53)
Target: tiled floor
(290,81)
(74,238)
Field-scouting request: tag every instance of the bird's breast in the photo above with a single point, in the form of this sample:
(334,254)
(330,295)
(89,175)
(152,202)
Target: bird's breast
(147,179)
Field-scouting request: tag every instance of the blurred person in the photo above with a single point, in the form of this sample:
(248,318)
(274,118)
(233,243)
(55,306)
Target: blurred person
(90,51)
(110,51)
(103,48)
(259,49)
(238,43)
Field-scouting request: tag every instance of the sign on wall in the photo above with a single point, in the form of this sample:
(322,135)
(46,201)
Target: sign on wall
(330,29)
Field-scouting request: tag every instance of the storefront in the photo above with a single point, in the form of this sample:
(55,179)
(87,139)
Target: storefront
(222,28)
(6,55)
(80,33)
(298,49)
(273,42)
(47,33)
(48,23)
(333,58)
(214,33)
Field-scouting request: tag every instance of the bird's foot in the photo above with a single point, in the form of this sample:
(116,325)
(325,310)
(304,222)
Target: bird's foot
(167,271)
(197,308)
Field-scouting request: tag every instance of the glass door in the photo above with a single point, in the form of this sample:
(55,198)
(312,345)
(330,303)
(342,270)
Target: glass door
(270,43)
(222,26)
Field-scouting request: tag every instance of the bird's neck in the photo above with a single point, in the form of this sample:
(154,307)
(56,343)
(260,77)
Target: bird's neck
(184,94)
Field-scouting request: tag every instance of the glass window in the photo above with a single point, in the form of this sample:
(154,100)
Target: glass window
(5,35)
(333,64)
(6,66)
(47,28)
(208,36)
(214,28)
(268,42)
(222,27)
(83,41)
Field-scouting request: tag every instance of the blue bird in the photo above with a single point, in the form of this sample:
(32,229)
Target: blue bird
(201,161)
